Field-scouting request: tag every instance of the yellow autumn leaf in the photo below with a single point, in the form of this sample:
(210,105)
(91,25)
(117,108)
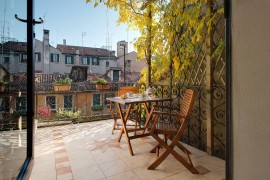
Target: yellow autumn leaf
(176,63)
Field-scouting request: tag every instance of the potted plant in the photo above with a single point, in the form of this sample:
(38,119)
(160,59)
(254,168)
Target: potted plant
(70,114)
(3,86)
(97,108)
(62,84)
(101,83)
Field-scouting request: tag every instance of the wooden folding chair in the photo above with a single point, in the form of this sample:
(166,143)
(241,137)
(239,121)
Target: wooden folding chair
(171,130)
(134,112)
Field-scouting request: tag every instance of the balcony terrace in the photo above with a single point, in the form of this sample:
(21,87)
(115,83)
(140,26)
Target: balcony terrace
(90,151)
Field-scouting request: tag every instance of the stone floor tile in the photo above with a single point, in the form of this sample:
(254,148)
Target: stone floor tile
(105,157)
(144,173)
(90,173)
(67,176)
(62,165)
(77,164)
(186,175)
(64,170)
(129,175)
(61,159)
(114,167)
(43,175)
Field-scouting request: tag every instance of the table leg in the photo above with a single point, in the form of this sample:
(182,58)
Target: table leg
(124,127)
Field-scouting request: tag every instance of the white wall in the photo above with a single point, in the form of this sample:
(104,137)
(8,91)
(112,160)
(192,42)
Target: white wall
(135,66)
(251,89)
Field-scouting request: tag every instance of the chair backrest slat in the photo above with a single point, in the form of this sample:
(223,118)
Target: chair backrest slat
(187,103)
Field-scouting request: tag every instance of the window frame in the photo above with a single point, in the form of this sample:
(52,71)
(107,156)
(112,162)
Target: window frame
(5,105)
(106,102)
(128,63)
(16,105)
(37,57)
(93,102)
(71,59)
(67,108)
(87,58)
(22,58)
(52,58)
(46,103)
(114,76)
(95,63)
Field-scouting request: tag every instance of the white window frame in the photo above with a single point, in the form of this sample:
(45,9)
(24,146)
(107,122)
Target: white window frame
(85,61)
(55,58)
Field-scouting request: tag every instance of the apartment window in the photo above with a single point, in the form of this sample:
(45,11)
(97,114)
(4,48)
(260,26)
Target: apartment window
(69,59)
(4,104)
(115,76)
(54,57)
(107,63)
(96,99)
(37,56)
(51,101)
(68,102)
(86,60)
(21,104)
(6,60)
(107,103)
(23,58)
(128,63)
(95,61)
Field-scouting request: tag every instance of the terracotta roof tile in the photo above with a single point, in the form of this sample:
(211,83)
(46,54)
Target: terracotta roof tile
(66,49)
(16,46)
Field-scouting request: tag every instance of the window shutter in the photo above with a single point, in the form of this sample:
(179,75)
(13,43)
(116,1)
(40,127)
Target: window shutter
(72,59)
(51,57)
(66,59)
(97,60)
(57,57)
(88,60)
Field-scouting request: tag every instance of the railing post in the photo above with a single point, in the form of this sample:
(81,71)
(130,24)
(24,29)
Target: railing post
(209,81)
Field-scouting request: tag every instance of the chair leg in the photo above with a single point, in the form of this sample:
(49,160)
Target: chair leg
(169,150)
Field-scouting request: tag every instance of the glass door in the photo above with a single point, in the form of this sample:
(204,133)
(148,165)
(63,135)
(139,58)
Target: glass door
(14,91)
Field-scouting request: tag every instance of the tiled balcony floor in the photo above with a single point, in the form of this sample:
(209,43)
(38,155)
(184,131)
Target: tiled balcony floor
(90,151)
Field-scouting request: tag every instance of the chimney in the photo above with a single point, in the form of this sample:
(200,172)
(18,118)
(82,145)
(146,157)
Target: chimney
(121,45)
(46,36)
(64,42)
(46,52)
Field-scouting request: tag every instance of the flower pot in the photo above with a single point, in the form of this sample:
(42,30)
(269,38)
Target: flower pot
(103,86)
(62,87)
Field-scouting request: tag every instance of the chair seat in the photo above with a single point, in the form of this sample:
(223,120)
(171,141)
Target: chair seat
(164,128)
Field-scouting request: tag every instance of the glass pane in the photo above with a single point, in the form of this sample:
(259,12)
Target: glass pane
(13,95)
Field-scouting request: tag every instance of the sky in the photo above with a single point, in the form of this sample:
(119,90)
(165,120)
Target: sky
(69,19)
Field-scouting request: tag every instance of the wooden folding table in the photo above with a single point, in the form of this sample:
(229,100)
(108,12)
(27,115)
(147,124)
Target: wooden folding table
(130,102)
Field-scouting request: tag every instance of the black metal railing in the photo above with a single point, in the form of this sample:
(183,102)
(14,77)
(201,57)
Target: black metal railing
(82,99)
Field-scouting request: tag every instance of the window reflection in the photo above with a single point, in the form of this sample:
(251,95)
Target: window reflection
(13,91)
